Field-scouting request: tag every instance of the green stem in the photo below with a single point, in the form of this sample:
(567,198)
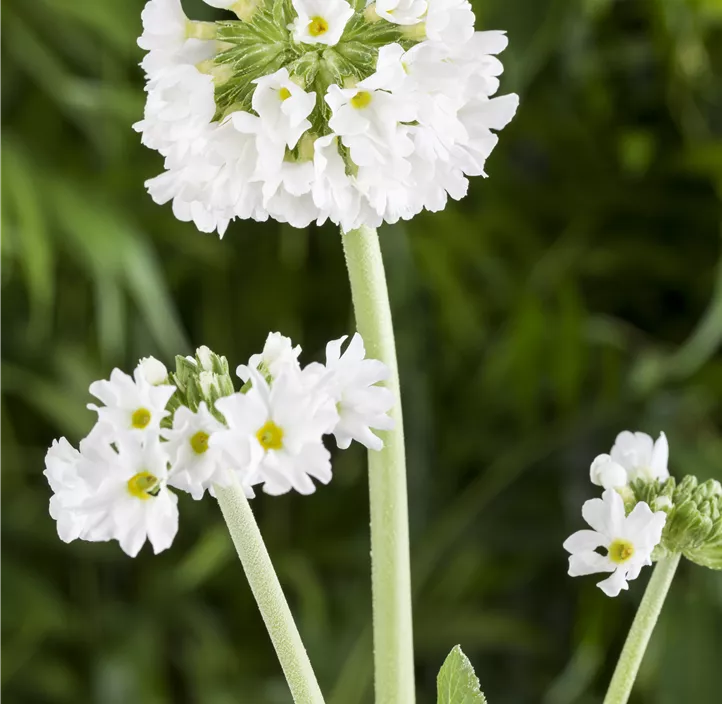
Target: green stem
(269,595)
(390,564)
(639,634)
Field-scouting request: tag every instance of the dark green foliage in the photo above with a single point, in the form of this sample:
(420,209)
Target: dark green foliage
(575,293)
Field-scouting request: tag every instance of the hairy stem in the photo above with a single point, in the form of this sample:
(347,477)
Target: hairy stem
(390,565)
(639,634)
(269,595)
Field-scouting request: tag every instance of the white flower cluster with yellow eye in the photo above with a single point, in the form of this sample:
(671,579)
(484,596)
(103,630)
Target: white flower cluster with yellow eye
(192,431)
(627,540)
(313,110)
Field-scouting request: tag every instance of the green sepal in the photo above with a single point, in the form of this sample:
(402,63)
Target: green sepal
(457,682)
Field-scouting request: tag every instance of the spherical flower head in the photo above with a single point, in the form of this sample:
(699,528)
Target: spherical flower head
(274,434)
(642,457)
(320,21)
(353,384)
(153,371)
(407,12)
(131,403)
(627,540)
(323,110)
(196,465)
(607,473)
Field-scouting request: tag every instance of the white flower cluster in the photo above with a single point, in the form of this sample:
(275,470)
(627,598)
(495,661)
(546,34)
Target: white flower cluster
(315,110)
(628,540)
(192,431)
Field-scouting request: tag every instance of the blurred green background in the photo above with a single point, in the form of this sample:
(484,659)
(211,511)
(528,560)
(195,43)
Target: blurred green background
(575,293)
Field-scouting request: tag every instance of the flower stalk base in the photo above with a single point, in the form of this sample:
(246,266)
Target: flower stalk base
(390,564)
(641,631)
(269,595)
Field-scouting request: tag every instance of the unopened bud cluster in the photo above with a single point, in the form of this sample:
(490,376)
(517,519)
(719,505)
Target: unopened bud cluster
(694,517)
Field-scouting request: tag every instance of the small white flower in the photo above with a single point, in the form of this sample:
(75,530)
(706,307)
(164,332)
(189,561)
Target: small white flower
(628,541)
(642,457)
(274,434)
(401,11)
(165,26)
(69,489)
(283,106)
(112,492)
(368,120)
(607,473)
(153,371)
(450,21)
(131,404)
(320,21)
(131,502)
(178,111)
(195,464)
(361,404)
(278,356)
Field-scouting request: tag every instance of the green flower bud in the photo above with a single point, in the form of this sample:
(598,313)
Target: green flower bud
(694,517)
(205,377)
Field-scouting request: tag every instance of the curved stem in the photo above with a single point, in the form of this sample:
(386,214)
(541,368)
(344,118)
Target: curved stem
(269,595)
(639,634)
(390,564)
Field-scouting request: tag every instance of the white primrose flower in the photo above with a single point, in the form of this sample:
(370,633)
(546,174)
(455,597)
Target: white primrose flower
(113,492)
(132,404)
(642,457)
(450,22)
(320,21)
(153,371)
(607,473)
(628,541)
(195,464)
(283,107)
(362,405)
(359,134)
(402,11)
(274,434)
(165,26)
(179,110)
(278,356)
(69,488)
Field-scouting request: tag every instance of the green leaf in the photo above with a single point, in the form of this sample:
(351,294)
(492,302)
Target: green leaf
(457,683)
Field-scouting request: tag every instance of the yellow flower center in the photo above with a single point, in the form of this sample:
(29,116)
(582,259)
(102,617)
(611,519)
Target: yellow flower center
(361,100)
(270,436)
(142,484)
(140,418)
(284,93)
(317,26)
(199,442)
(620,551)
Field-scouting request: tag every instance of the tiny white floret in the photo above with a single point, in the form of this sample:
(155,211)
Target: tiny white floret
(320,21)
(642,457)
(627,540)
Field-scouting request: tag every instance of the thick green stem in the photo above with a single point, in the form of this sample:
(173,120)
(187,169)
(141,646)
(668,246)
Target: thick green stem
(269,595)
(629,661)
(390,565)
